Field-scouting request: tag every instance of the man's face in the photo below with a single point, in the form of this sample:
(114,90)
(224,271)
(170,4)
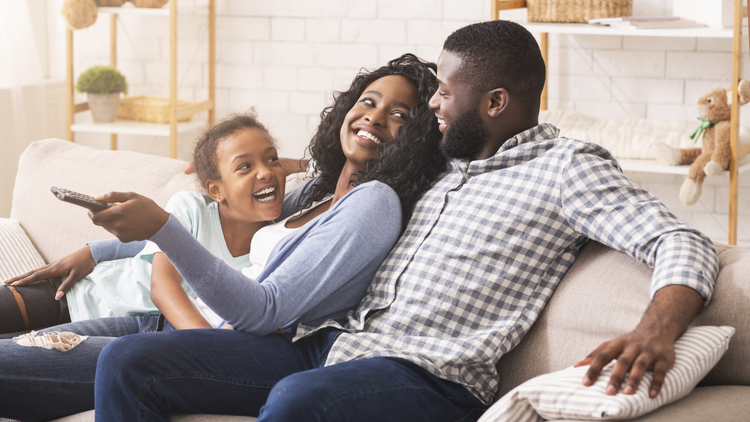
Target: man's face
(457,110)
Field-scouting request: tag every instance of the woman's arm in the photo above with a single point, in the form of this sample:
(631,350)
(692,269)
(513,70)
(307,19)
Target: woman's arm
(319,272)
(168,295)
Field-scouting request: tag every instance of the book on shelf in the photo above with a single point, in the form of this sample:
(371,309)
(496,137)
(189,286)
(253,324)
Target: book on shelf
(647,22)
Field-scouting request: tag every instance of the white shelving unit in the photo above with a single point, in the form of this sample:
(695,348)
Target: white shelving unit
(652,166)
(172,129)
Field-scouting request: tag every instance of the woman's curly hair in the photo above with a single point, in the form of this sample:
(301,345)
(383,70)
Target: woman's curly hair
(408,165)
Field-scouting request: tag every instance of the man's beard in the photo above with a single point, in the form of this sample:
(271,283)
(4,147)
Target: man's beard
(465,136)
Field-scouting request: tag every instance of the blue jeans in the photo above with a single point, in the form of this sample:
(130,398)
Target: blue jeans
(147,377)
(41,384)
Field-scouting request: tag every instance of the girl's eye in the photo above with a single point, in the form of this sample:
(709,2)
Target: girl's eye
(273,159)
(243,167)
(369,101)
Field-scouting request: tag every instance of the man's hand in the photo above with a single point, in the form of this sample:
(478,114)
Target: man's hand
(650,346)
(135,217)
(73,267)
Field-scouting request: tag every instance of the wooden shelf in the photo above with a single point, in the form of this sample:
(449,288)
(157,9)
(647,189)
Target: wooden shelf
(163,11)
(740,13)
(130,127)
(589,29)
(653,166)
(133,127)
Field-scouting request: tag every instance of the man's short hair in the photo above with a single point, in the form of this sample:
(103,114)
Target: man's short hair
(500,54)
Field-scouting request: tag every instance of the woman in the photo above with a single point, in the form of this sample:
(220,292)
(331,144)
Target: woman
(384,115)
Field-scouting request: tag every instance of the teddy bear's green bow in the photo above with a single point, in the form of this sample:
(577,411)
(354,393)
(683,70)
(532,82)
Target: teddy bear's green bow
(705,124)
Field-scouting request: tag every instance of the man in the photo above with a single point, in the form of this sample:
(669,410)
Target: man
(478,261)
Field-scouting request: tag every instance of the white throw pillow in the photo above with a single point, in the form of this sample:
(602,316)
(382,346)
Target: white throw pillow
(561,394)
(17,253)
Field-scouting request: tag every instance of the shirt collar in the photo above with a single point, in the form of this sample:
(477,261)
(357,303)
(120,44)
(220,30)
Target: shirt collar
(536,133)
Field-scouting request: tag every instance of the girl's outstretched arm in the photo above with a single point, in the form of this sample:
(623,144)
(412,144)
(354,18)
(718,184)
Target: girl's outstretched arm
(168,295)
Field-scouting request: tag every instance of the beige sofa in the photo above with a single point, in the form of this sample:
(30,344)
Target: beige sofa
(603,295)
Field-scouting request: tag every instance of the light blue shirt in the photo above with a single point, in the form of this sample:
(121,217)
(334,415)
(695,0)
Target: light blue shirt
(122,287)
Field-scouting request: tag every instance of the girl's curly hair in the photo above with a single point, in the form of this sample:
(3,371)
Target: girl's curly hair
(408,165)
(205,156)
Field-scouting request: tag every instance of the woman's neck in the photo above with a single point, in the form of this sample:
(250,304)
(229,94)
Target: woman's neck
(343,186)
(238,234)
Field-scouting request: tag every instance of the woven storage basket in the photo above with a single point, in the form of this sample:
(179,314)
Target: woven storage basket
(577,10)
(151,109)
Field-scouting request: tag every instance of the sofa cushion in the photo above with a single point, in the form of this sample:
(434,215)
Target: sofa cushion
(57,228)
(726,403)
(561,394)
(604,295)
(17,253)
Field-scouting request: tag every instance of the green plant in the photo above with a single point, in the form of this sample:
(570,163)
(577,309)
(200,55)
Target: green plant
(102,80)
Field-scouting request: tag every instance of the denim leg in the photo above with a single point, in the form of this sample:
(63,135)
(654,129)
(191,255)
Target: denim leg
(377,389)
(30,375)
(42,384)
(147,377)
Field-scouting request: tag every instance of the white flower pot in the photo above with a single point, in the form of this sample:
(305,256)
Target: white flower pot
(103,107)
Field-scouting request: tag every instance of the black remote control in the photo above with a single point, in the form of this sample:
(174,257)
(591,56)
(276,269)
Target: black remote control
(80,199)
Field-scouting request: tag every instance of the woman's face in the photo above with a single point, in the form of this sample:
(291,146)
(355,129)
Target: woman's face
(376,116)
(251,188)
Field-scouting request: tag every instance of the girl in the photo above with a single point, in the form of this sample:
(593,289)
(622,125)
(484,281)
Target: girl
(245,194)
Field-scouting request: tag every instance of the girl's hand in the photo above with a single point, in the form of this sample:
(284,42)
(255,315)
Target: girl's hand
(135,217)
(74,267)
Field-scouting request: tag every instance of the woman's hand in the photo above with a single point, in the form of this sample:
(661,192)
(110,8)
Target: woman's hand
(135,217)
(73,267)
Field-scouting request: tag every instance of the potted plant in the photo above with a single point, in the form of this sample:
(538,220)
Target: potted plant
(102,85)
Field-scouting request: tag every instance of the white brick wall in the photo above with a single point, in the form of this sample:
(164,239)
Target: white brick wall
(286,57)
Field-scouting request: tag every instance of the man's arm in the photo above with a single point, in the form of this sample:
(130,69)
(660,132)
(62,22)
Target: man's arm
(602,204)
(650,346)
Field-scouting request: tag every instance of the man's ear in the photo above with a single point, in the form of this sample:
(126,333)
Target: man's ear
(214,191)
(498,101)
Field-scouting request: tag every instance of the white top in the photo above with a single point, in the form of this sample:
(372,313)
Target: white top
(265,241)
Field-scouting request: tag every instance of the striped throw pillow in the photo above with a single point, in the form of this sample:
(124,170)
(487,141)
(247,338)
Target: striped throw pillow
(561,395)
(17,253)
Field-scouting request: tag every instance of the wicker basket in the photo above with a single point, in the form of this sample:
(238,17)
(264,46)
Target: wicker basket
(577,10)
(151,109)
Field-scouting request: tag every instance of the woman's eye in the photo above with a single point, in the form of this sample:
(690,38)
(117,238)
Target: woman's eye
(401,115)
(369,101)
(442,94)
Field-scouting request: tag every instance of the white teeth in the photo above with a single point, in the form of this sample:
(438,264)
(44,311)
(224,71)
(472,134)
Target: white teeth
(367,135)
(441,121)
(270,198)
(265,191)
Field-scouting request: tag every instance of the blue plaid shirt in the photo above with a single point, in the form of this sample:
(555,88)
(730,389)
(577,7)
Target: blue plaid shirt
(487,246)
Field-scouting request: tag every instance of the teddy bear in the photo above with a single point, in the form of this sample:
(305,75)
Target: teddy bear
(714,110)
(81,14)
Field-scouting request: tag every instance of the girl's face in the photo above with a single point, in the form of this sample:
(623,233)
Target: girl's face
(376,116)
(251,188)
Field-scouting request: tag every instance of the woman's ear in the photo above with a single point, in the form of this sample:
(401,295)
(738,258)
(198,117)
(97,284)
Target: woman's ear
(215,191)
(498,101)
